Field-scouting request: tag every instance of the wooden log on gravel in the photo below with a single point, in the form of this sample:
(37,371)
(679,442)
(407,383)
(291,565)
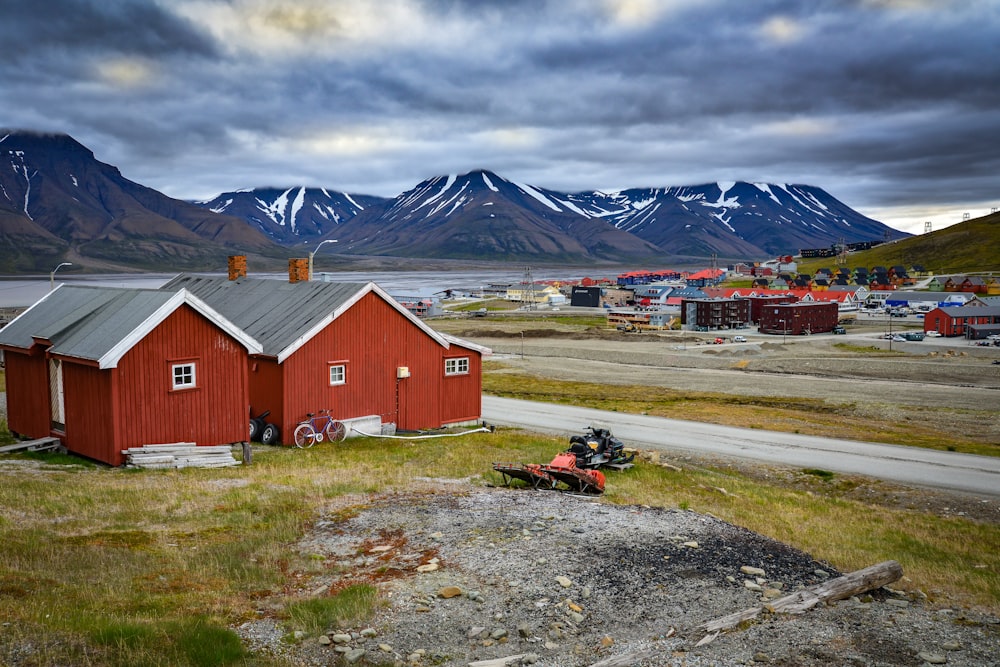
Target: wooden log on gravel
(499,662)
(799,602)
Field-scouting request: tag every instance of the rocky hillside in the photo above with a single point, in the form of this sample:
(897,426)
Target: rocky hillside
(57,202)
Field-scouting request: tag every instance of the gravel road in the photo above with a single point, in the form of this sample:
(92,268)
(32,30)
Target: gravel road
(951,471)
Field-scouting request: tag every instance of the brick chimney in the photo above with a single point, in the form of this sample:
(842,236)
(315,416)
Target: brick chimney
(298,270)
(237,267)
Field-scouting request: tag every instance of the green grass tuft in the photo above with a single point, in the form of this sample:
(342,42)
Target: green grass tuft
(318,615)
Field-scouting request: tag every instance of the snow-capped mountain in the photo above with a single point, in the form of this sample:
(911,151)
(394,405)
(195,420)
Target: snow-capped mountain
(734,218)
(483,215)
(293,215)
(58,201)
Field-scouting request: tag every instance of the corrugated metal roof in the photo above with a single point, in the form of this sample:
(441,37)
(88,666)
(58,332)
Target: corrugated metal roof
(283,315)
(83,322)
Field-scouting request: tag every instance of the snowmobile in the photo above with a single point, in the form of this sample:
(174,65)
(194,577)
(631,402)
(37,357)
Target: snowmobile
(576,468)
(597,448)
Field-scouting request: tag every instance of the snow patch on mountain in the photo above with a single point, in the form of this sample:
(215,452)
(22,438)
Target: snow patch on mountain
(489,183)
(353,203)
(765,188)
(221,208)
(527,189)
(296,207)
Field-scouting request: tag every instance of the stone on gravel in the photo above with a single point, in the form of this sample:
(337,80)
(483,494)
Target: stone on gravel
(354,656)
(752,571)
(933,658)
(449,592)
(565,582)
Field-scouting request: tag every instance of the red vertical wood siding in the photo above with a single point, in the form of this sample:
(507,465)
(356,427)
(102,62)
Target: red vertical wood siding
(372,339)
(28,407)
(214,412)
(90,413)
(462,395)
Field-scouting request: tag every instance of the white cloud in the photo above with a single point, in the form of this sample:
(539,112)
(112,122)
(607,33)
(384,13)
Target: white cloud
(126,72)
(322,28)
(782,30)
(799,127)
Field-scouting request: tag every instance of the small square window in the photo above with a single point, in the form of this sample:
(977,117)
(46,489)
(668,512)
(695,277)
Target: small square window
(456,366)
(183,376)
(338,374)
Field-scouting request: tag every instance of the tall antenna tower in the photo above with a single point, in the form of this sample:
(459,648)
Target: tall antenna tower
(965,216)
(529,288)
(928,227)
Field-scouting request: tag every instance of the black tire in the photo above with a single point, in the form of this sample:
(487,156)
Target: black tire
(270,435)
(256,428)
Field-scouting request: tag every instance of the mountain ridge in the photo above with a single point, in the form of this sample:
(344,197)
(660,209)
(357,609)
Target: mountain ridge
(58,200)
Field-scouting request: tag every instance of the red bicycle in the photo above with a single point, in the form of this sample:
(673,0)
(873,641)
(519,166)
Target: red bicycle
(317,427)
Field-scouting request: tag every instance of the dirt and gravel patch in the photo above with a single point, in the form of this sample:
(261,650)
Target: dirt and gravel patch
(473,574)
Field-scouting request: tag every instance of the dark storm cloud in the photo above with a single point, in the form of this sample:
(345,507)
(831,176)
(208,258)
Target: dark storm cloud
(30,28)
(882,102)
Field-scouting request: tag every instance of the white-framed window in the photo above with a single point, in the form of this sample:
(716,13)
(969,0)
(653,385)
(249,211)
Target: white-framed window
(338,374)
(456,366)
(183,375)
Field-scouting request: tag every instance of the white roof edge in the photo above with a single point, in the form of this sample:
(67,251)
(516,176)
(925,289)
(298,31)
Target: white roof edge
(111,358)
(306,337)
(461,342)
(369,287)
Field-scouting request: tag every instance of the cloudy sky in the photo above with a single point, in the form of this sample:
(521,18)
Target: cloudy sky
(893,106)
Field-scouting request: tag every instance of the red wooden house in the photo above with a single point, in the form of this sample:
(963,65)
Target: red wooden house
(105,369)
(346,347)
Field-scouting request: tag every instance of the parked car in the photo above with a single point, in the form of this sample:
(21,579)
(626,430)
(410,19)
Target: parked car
(739,339)
(898,338)
(839,330)
(933,334)
(914,335)
(719,341)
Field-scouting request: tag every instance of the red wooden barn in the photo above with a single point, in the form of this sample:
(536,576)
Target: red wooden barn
(346,347)
(105,369)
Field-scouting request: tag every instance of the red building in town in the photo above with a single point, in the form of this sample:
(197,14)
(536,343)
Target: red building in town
(804,317)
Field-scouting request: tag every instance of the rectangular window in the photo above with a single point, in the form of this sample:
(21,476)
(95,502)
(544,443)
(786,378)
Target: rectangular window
(338,374)
(456,366)
(183,375)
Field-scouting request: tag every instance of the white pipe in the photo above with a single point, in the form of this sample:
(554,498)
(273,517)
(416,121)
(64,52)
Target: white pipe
(481,429)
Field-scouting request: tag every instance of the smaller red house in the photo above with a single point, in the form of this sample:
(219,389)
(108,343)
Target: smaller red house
(105,369)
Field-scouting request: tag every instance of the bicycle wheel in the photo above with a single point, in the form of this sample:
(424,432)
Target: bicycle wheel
(305,436)
(336,431)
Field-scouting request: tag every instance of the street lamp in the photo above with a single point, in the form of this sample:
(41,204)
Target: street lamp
(52,276)
(314,252)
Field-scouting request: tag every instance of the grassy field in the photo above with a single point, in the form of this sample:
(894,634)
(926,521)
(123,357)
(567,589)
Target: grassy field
(130,567)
